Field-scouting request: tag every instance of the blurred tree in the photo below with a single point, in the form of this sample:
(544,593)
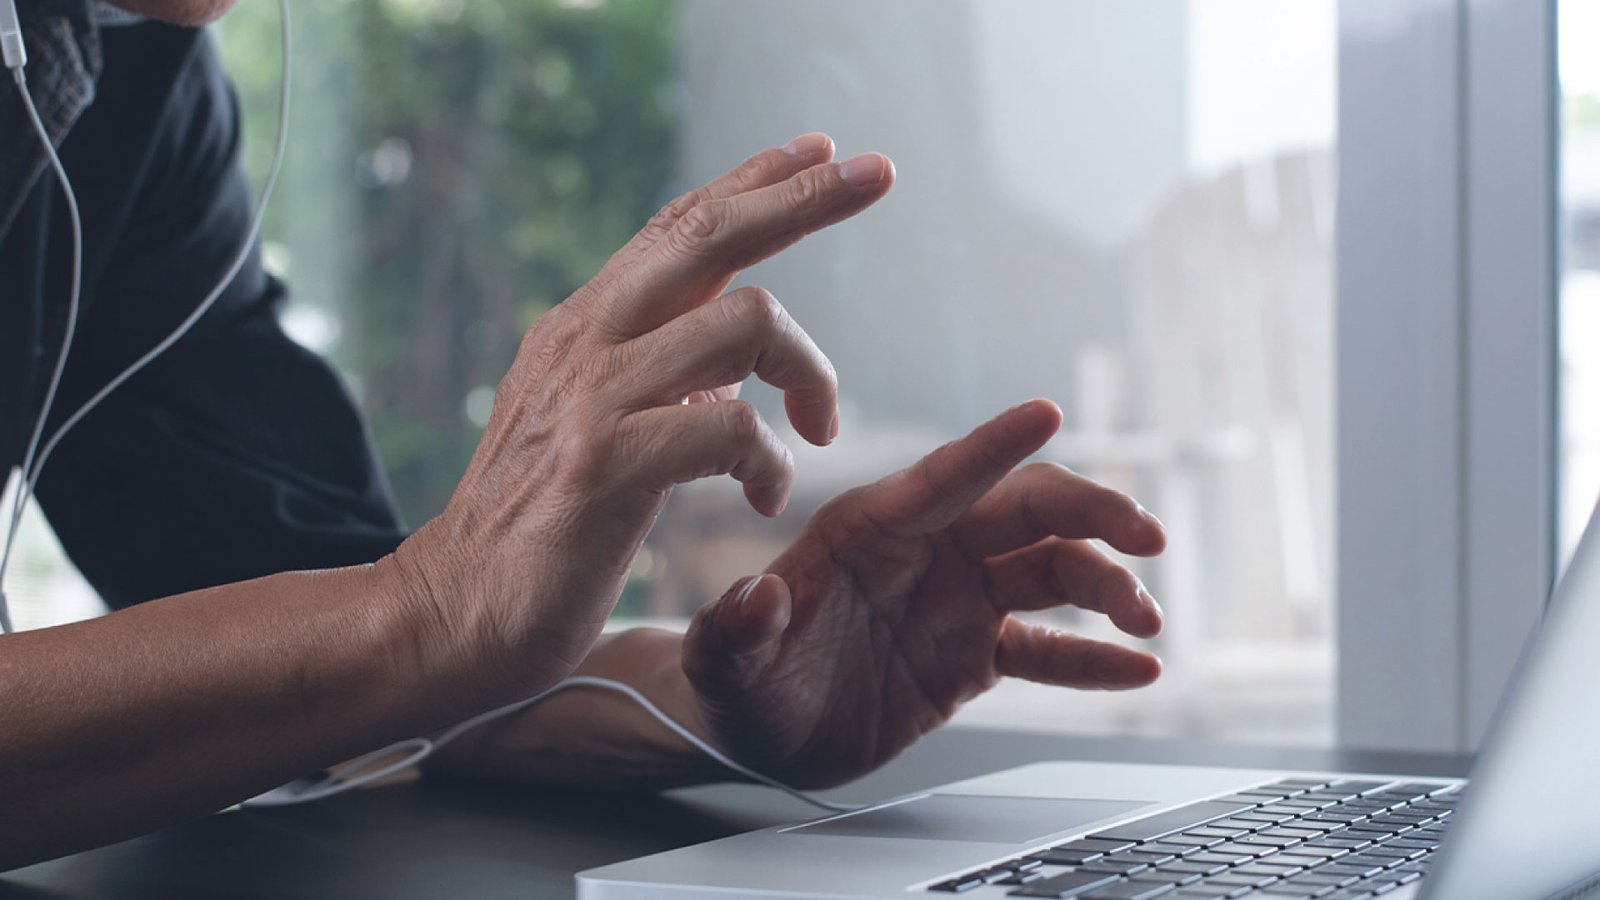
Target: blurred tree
(456,168)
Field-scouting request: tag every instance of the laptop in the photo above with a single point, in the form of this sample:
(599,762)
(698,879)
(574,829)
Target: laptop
(1528,826)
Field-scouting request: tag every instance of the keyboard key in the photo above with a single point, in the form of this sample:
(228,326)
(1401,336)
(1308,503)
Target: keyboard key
(1252,797)
(1420,788)
(1308,801)
(959,885)
(1167,849)
(1264,870)
(1210,891)
(1266,841)
(1304,784)
(1235,880)
(1359,787)
(1193,840)
(1284,865)
(1388,851)
(1188,867)
(1319,880)
(1129,890)
(1024,878)
(1064,857)
(1291,832)
(1184,868)
(1220,859)
(1344,840)
(1107,866)
(1334,816)
(1279,808)
(1067,884)
(1162,824)
(1300,859)
(1346,867)
(1370,806)
(1234,848)
(1258,818)
(1149,858)
(1333,792)
(1104,846)
(1222,830)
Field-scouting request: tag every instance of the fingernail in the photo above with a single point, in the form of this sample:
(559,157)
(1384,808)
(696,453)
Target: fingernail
(748,589)
(868,168)
(1151,602)
(1151,516)
(807,144)
(833,427)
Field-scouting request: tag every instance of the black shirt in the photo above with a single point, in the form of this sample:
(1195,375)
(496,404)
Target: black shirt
(238,453)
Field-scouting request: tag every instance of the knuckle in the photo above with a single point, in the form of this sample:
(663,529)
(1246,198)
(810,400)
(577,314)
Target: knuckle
(758,307)
(758,168)
(807,189)
(741,422)
(701,228)
(674,210)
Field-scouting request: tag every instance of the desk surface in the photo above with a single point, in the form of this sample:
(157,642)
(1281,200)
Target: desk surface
(470,839)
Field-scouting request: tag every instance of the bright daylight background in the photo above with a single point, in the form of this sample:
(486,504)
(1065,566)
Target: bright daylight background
(1107,204)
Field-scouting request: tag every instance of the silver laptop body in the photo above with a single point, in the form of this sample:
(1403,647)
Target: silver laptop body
(1528,828)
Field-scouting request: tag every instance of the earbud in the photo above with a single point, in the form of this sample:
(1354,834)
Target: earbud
(11,46)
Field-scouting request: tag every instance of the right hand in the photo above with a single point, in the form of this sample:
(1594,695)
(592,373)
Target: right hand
(593,424)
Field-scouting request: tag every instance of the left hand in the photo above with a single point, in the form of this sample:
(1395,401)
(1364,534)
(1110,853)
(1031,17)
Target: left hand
(894,606)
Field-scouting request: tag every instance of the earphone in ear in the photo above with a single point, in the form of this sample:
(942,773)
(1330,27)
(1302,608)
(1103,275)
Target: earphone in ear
(36,455)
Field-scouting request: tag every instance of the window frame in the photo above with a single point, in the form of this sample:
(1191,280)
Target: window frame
(1446,447)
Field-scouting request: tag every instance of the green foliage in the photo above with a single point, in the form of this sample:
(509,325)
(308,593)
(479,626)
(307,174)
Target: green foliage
(457,167)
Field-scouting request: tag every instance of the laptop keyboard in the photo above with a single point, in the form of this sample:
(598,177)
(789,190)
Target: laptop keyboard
(1285,839)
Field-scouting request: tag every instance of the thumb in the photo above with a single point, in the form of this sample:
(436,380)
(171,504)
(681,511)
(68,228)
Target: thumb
(737,632)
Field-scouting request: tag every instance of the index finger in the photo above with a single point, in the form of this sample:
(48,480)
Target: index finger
(941,486)
(710,243)
(769,166)
(1048,500)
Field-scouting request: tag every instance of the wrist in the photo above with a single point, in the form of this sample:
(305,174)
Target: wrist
(587,737)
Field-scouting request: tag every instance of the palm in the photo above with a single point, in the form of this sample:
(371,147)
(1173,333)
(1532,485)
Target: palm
(894,606)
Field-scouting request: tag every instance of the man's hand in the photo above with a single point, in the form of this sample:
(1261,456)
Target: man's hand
(894,606)
(593,426)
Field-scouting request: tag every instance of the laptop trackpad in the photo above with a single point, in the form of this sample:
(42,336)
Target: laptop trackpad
(962,817)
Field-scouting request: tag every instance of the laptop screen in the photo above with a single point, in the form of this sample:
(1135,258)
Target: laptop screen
(1528,825)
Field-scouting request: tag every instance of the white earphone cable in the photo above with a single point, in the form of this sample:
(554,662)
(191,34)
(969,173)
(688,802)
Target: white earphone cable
(33,465)
(66,341)
(371,767)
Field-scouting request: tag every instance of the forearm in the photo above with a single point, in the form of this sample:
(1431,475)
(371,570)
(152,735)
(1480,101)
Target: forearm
(590,738)
(182,706)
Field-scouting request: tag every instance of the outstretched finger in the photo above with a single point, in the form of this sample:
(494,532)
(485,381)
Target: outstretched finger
(723,342)
(1063,659)
(677,444)
(716,239)
(937,489)
(1054,572)
(769,166)
(1047,500)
